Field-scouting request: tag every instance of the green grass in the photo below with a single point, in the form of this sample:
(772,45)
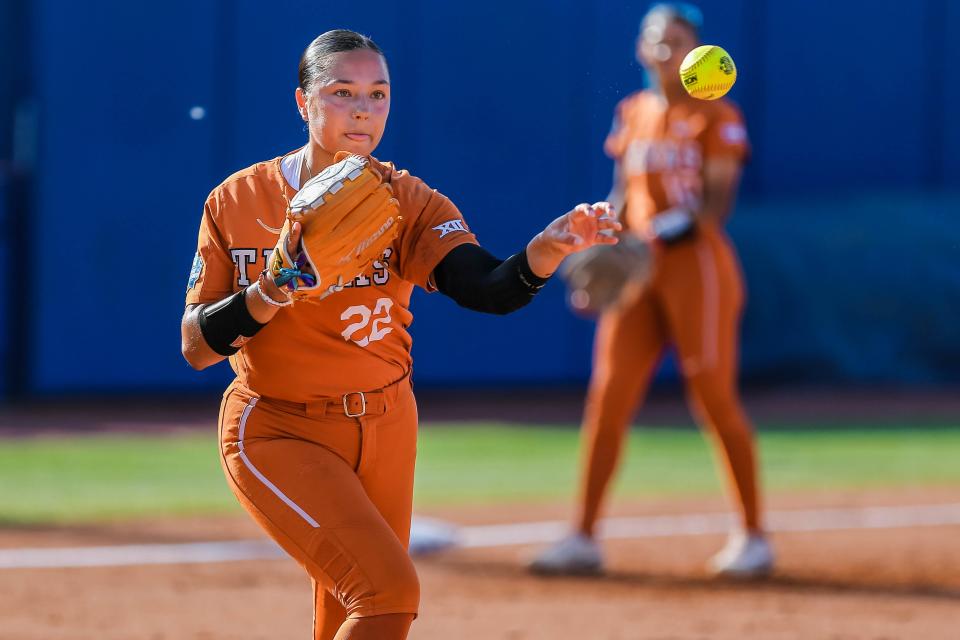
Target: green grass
(499,463)
(89,478)
(109,476)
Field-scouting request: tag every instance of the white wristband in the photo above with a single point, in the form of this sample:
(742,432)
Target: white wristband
(270,301)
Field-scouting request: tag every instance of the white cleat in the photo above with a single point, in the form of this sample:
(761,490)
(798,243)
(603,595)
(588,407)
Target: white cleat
(575,555)
(744,556)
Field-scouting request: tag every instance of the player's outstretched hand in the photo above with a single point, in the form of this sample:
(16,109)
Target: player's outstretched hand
(584,227)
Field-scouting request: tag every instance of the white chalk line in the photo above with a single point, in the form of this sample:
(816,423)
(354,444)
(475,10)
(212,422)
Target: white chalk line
(495,536)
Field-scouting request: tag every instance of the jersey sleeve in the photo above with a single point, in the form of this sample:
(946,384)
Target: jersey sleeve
(436,226)
(726,136)
(212,273)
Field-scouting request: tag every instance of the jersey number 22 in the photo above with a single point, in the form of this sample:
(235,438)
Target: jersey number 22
(378,320)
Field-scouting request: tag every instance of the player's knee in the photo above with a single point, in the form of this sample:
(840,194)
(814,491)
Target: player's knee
(403,589)
(391,587)
(715,402)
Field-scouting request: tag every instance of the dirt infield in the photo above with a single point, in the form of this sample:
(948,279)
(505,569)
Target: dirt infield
(872,584)
(885,583)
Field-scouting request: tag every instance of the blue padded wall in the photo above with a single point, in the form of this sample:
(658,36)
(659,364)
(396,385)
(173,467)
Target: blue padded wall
(504,108)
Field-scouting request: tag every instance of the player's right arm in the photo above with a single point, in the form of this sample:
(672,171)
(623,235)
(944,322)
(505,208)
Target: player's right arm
(212,331)
(196,346)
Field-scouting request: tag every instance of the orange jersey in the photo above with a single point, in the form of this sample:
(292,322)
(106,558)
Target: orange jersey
(352,340)
(661,150)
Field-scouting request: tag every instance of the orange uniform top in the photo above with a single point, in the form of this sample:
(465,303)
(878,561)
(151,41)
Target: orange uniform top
(352,340)
(661,150)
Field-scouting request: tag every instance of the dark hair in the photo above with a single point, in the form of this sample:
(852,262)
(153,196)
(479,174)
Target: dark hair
(686,14)
(315,61)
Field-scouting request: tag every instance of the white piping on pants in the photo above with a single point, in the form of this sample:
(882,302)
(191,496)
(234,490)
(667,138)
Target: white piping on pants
(243,456)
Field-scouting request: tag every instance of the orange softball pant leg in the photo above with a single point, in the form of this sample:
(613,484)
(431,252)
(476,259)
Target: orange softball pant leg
(383,484)
(394,500)
(323,486)
(703,301)
(627,346)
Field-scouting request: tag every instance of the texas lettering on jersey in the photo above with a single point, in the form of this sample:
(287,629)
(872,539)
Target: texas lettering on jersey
(650,156)
(247,271)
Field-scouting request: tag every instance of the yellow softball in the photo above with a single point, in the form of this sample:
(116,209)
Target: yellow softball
(708,72)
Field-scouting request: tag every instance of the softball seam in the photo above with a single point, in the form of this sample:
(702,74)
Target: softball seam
(696,64)
(711,87)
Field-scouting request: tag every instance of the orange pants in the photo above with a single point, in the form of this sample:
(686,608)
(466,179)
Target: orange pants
(335,492)
(694,301)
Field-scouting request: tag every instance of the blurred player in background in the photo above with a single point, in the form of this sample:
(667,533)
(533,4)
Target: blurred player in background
(318,431)
(678,162)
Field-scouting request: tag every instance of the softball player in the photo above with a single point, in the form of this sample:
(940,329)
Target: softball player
(318,430)
(678,163)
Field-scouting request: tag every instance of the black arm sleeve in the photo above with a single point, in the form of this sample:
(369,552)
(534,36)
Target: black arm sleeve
(476,280)
(224,323)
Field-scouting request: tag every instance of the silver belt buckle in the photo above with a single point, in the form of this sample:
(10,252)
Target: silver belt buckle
(363,405)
